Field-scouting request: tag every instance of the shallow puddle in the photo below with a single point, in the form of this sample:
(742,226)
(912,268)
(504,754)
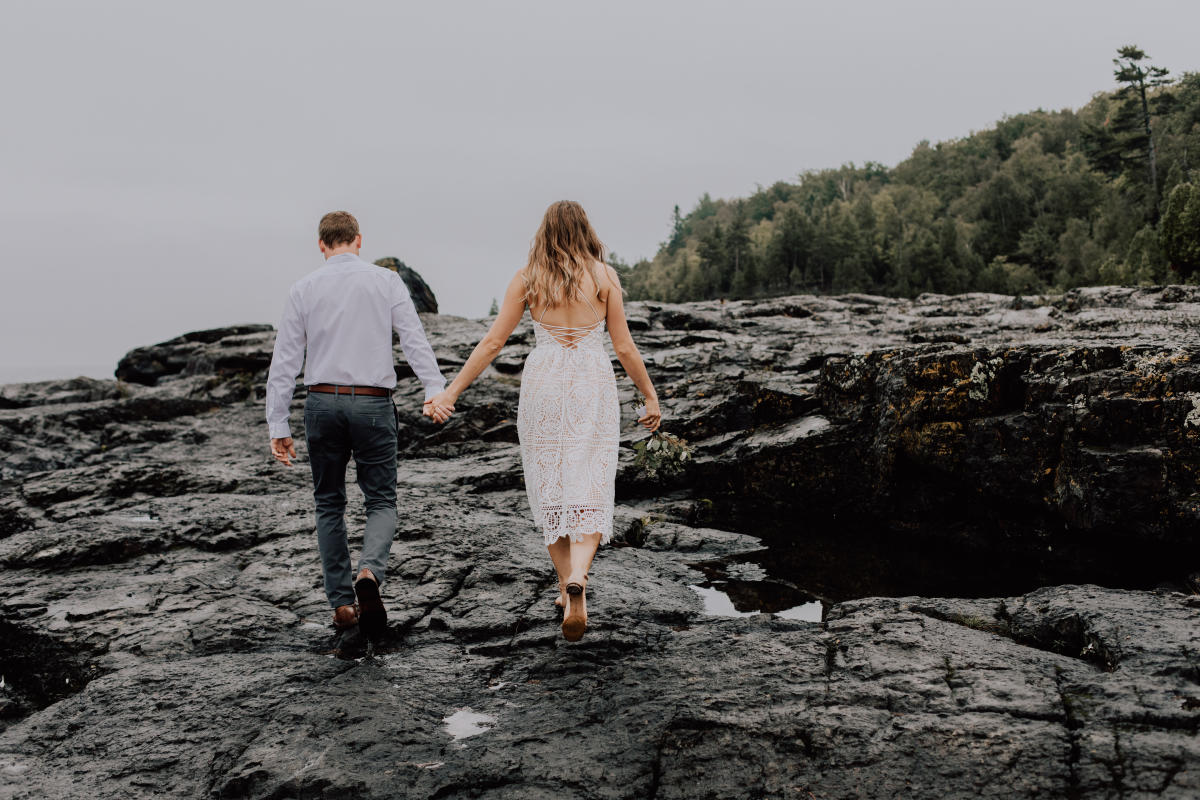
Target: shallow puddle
(717,603)
(464,722)
(736,587)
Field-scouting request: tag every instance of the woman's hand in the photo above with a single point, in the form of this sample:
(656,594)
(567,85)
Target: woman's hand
(653,415)
(440,406)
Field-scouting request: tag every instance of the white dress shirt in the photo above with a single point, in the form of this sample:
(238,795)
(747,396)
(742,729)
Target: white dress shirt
(345,313)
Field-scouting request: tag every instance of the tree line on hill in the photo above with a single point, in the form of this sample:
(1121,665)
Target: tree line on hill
(1047,200)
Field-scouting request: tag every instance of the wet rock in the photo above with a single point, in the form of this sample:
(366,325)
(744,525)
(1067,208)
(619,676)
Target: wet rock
(165,632)
(198,350)
(73,390)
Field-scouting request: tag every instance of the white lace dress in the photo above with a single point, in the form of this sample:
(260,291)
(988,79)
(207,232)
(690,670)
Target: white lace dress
(568,422)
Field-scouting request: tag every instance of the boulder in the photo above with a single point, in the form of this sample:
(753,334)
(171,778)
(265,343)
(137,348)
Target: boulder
(422,296)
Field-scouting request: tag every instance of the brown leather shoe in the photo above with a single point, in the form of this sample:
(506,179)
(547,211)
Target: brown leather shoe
(345,617)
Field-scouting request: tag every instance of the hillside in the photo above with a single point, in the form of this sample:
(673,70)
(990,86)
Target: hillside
(1048,200)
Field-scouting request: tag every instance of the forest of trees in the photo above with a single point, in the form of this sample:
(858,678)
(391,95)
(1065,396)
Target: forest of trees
(1044,201)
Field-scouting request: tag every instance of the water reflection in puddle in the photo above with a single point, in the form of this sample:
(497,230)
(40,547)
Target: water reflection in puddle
(464,722)
(717,603)
(812,611)
(743,588)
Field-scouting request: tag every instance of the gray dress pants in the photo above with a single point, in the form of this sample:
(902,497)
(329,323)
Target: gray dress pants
(337,427)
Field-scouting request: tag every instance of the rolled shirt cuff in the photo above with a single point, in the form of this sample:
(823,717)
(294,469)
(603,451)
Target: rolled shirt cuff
(280,430)
(434,389)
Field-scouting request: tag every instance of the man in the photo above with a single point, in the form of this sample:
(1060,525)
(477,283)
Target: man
(344,314)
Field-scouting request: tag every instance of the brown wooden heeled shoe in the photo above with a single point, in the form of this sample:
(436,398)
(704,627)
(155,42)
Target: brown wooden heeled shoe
(575,619)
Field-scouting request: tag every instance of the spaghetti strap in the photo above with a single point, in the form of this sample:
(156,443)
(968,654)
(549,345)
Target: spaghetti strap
(599,316)
(592,307)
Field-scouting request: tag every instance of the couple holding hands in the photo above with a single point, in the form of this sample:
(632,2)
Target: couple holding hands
(337,324)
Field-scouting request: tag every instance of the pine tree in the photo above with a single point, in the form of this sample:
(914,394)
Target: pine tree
(1138,80)
(677,232)
(1180,229)
(711,275)
(739,269)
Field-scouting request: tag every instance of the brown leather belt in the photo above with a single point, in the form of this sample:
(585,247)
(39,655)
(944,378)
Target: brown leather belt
(332,388)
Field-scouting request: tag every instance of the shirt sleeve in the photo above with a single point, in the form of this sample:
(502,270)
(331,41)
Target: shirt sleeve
(416,347)
(286,363)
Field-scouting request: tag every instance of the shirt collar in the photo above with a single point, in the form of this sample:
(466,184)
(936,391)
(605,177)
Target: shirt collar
(341,259)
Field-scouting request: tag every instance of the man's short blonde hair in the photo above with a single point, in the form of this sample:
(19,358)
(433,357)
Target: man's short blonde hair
(337,227)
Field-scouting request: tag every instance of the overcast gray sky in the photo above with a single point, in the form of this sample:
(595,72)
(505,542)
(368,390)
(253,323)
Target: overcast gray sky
(164,164)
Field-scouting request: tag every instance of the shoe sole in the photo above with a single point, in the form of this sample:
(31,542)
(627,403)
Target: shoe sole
(573,625)
(372,616)
(573,629)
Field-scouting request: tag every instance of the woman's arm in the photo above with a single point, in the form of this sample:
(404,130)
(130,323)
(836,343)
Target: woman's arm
(627,352)
(489,346)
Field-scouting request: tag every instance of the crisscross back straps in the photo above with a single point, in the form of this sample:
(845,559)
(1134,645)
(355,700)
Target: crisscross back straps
(572,334)
(569,336)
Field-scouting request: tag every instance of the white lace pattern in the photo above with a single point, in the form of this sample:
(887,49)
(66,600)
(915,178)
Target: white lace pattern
(568,422)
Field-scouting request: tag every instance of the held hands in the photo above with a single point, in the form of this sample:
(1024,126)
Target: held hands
(283,450)
(652,416)
(439,407)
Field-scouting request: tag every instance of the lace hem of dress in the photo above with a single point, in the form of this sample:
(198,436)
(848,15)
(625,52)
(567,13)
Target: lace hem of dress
(574,523)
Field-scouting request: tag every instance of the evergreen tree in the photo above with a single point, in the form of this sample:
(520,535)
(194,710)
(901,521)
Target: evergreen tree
(786,264)
(1139,80)
(739,266)
(1180,232)
(677,231)
(712,277)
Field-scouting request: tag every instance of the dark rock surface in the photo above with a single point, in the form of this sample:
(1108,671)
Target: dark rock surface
(1019,476)
(221,352)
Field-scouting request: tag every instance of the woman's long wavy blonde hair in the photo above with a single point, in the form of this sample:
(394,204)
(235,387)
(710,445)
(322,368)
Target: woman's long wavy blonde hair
(563,249)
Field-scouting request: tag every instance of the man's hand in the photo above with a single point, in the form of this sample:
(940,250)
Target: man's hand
(283,450)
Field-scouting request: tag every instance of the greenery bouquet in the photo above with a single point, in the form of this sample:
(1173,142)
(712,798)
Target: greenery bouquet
(661,453)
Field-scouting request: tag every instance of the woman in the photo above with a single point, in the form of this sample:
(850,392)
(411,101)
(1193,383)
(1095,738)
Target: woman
(568,417)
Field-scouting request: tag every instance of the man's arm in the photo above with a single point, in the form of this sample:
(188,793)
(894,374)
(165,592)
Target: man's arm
(286,363)
(416,347)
